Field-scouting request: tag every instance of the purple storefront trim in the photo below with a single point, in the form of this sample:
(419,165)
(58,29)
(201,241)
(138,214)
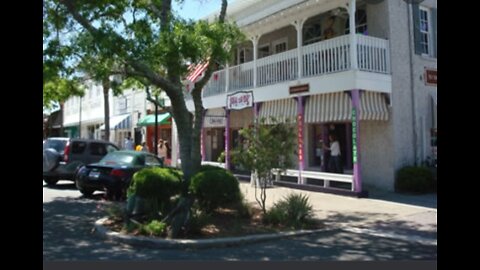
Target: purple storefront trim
(357,178)
(301,147)
(227,139)
(202,137)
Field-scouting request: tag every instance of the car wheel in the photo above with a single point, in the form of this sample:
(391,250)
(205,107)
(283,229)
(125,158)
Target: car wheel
(51,181)
(86,192)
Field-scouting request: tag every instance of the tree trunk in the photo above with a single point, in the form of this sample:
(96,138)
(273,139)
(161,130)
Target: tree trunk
(106,88)
(61,117)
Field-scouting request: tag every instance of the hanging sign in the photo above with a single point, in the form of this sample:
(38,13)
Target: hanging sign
(300,137)
(430,77)
(240,100)
(354,134)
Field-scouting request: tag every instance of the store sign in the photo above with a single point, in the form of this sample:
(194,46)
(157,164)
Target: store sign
(300,137)
(354,134)
(430,77)
(214,121)
(299,88)
(240,100)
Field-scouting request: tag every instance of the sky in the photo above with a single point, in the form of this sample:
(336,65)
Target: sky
(192,9)
(197,9)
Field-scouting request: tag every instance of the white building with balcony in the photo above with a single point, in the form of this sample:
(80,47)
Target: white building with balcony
(85,116)
(371,87)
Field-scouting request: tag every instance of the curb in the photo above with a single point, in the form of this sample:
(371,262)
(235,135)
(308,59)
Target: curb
(391,235)
(193,243)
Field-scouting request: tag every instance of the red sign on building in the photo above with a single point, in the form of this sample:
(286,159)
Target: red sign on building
(430,77)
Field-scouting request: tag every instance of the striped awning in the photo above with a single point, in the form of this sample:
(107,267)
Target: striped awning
(280,109)
(336,107)
(119,122)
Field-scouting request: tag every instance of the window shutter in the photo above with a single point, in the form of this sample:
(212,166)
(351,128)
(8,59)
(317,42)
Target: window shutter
(434,31)
(416,28)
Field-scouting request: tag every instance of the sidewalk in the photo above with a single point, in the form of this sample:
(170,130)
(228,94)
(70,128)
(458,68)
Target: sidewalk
(408,217)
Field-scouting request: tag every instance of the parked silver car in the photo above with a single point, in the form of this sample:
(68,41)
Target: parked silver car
(62,157)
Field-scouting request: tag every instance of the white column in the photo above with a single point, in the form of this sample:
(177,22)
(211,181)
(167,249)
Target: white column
(299,27)
(353,37)
(255,56)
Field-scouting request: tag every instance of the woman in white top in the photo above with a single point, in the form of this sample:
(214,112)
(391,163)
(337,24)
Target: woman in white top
(335,162)
(162,150)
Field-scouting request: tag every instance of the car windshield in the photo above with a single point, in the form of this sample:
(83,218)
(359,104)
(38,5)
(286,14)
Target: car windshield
(58,145)
(119,158)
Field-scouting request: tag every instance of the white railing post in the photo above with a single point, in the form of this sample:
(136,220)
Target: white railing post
(255,56)
(299,27)
(353,35)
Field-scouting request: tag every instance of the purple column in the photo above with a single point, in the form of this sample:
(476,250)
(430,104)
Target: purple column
(300,129)
(227,139)
(202,137)
(357,179)
(348,147)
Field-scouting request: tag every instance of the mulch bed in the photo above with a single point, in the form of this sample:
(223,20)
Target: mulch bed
(224,222)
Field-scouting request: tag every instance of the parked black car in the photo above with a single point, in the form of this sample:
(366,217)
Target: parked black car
(62,157)
(114,172)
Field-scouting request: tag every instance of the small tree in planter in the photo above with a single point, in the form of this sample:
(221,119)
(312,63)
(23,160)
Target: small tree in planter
(266,147)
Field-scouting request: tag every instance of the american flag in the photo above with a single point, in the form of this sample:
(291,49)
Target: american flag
(196,71)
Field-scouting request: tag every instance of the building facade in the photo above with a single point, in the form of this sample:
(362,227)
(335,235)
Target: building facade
(374,88)
(85,116)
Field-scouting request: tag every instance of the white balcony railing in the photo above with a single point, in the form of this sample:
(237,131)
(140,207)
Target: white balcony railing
(373,54)
(318,59)
(277,68)
(240,77)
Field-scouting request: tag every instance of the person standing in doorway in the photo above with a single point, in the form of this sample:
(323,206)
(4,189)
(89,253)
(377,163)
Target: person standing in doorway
(162,150)
(128,144)
(335,162)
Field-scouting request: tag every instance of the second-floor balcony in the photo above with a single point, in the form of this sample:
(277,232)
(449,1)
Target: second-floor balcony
(317,59)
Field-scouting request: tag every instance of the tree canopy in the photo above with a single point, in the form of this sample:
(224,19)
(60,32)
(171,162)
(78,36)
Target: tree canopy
(146,42)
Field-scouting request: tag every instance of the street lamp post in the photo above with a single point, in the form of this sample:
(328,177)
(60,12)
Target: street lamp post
(156,125)
(80,120)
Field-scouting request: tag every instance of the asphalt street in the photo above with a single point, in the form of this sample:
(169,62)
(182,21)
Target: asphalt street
(68,236)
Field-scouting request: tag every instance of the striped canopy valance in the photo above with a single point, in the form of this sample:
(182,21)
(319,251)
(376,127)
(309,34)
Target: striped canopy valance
(280,109)
(335,107)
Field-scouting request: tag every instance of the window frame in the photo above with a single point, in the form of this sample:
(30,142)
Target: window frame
(429,33)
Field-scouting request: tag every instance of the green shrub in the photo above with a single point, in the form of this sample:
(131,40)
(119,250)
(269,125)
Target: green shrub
(415,179)
(155,228)
(205,168)
(151,190)
(293,211)
(215,188)
(160,183)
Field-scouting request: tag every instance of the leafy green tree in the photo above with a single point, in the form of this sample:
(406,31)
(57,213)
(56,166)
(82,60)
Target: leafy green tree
(266,147)
(150,44)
